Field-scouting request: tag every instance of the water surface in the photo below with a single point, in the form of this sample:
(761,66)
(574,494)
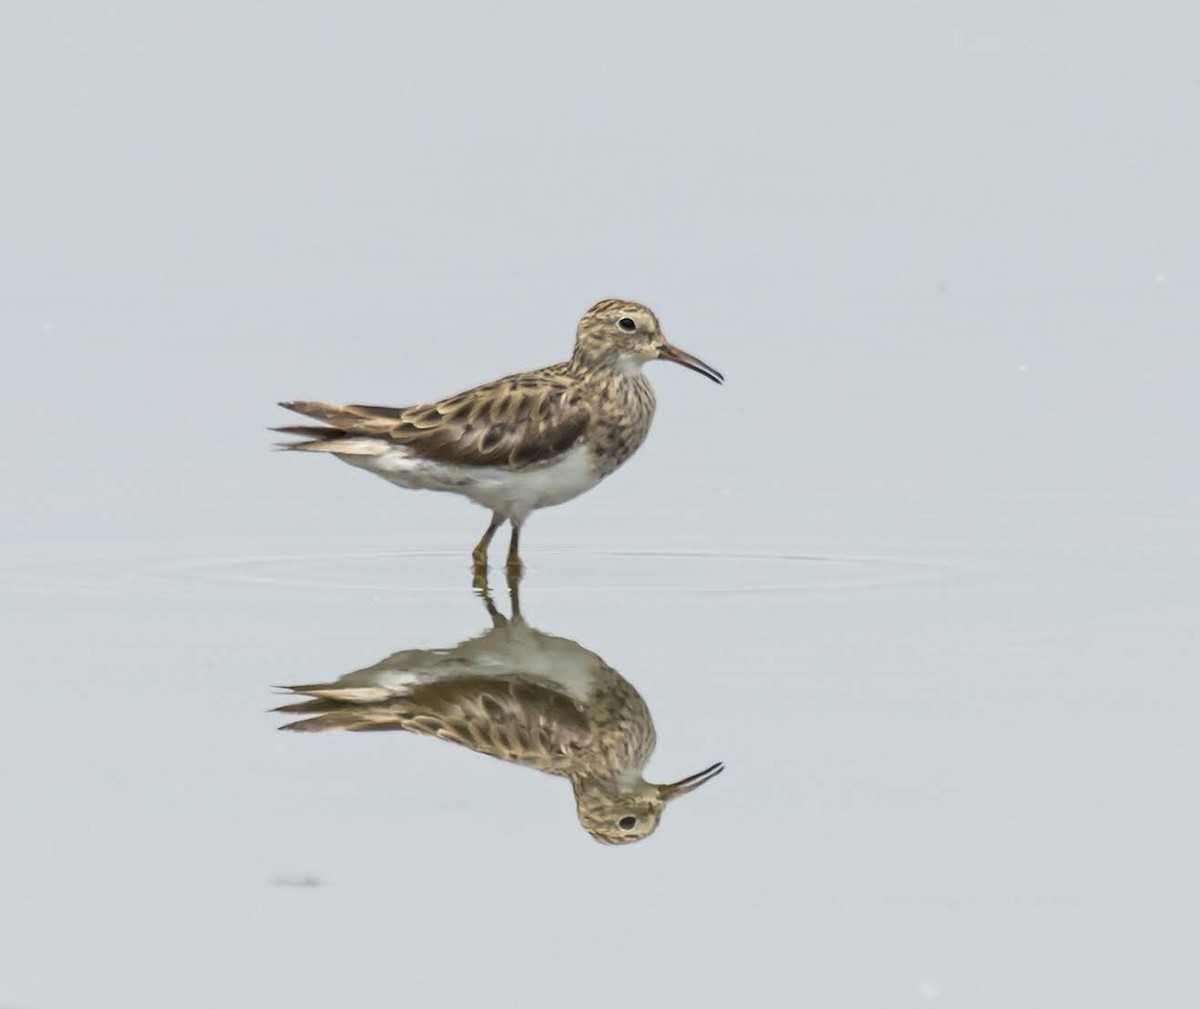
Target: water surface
(957,766)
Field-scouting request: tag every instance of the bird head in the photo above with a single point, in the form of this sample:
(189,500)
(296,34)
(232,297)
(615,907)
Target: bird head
(625,335)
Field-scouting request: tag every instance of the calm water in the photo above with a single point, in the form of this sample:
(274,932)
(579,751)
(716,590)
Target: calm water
(924,572)
(960,757)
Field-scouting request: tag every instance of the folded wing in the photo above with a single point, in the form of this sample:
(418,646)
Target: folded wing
(521,420)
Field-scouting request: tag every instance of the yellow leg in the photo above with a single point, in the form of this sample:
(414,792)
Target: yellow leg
(480,554)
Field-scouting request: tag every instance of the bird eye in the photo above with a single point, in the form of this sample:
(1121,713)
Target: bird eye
(627,822)
(629,326)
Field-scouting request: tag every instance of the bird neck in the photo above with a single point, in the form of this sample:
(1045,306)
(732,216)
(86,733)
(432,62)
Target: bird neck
(592,358)
(608,784)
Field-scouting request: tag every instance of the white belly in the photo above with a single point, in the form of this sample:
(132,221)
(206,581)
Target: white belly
(512,494)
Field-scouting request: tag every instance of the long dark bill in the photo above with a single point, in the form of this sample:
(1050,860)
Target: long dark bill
(694,781)
(669,352)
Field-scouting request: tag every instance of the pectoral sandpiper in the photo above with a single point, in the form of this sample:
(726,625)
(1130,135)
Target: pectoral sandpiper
(522,696)
(519,443)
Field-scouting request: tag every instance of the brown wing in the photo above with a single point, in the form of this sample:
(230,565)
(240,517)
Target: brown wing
(513,719)
(520,420)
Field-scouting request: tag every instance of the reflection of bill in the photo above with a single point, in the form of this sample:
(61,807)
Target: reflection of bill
(522,696)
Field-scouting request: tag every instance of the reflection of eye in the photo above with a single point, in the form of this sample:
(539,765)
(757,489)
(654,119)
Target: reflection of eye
(627,324)
(627,822)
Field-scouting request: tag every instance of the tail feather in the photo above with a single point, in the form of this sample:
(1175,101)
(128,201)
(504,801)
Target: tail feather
(330,439)
(310,431)
(351,419)
(324,412)
(340,430)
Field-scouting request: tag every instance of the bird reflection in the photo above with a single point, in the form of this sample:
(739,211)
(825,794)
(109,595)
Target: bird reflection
(523,696)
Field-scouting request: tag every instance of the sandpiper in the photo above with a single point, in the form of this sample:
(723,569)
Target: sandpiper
(520,443)
(522,696)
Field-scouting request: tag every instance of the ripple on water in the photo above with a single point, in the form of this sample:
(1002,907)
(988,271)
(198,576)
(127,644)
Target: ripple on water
(679,571)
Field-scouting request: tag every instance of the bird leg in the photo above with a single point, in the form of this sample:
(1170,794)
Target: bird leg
(515,567)
(480,554)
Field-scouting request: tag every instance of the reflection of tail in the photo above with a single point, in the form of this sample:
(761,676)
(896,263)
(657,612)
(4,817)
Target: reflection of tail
(516,718)
(326,714)
(338,693)
(341,707)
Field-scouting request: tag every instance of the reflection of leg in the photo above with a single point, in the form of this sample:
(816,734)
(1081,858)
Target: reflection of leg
(485,593)
(480,554)
(514,552)
(514,594)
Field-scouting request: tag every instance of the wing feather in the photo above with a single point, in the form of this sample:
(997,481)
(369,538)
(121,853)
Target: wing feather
(520,420)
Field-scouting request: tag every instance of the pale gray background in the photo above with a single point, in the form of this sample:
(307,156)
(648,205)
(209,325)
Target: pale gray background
(924,572)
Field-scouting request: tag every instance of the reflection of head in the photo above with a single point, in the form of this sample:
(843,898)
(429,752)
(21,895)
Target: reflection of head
(614,814)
